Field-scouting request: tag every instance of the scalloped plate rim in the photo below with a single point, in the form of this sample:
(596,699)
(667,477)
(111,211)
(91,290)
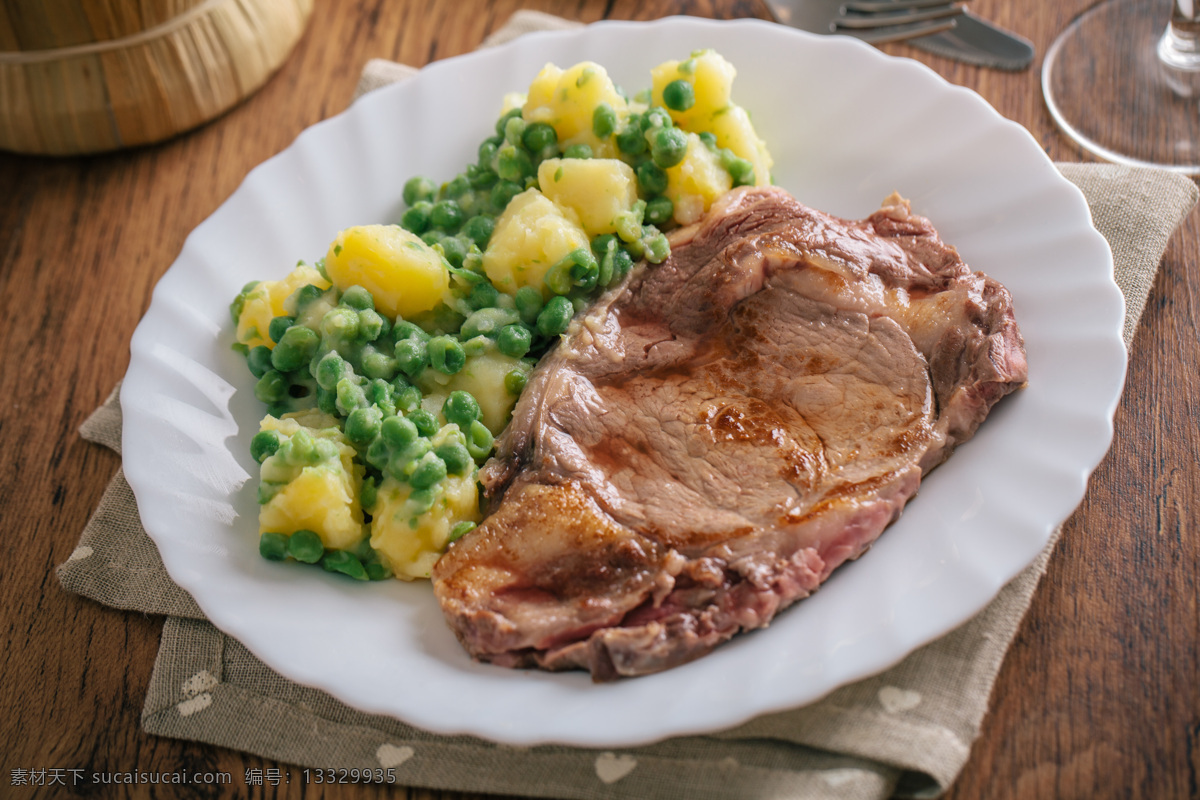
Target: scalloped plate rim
(547,728)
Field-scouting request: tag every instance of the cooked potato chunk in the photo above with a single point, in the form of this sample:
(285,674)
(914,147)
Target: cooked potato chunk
(484,377)
(696,182)
(532,235)
(410,532)
(403,274)
(312,482)
(714,111)
(567,99)
(266,301)
(597,189)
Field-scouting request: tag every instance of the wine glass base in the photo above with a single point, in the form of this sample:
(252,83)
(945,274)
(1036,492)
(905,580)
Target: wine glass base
(1108,90)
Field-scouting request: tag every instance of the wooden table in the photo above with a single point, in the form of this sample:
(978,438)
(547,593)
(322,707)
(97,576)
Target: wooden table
(1099,696)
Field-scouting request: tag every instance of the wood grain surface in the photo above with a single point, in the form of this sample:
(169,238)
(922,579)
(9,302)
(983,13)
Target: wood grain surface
(1098,698)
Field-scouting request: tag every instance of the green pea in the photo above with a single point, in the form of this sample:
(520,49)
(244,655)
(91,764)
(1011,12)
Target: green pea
(363,425)
(295,348)
(377,571)
(421,500)
(622,264)
(583,263)
(504,118)
(259,360)
(503,192)
(515,381)
(456,458)
(488,149)
(340,324)
(514,340)
(350,396)
(403,329)
(483,295)
(417,189)
(279,326)
(604,243)
(412,356)
(455,188)
(263,445)
(432,237)
(529,304)
(461,529)
(538,136)
(479,440)
(358,298)
(454,249)
(429,470)
(461,408)
(555,316)
(398,431)
(629,223)
(424,421)
(382,395)
(659,210)
(446,355)
(652,179)
(514,128)
(344,563)
(668,147)
(273,546)
(327,401)
(656,117)
(377,365)
(408,398)
(416,219)
(580,150)
(604,278)
(604,120)
(305,546)
(481,177)
(271,387)
(709,139)
(371,324)
(631,140)
(479,230)
(330,369)
(477,346)
(657,249)
(447,215)
(368,494)
(401,462)
(558,278)
(679,95)
(513,164)
(487,322)
(304,297)
(741,170)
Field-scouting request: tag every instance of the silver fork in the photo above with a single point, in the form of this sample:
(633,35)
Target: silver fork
(873,21)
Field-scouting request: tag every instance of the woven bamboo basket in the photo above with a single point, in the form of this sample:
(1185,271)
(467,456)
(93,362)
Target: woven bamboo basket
(87,76)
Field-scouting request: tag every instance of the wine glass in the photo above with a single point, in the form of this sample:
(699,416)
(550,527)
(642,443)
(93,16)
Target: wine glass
(1123,81)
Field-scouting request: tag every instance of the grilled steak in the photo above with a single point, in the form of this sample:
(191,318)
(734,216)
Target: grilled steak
(720,433)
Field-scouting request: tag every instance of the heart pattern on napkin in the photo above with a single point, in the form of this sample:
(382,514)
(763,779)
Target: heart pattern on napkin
(389,755)
(611,768)
(894,699)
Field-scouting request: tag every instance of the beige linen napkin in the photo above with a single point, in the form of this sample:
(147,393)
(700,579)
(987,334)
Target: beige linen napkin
(906,732)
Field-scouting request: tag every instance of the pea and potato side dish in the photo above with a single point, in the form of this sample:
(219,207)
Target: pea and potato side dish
(389,366)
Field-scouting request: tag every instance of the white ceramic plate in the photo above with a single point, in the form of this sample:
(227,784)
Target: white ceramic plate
(847,125)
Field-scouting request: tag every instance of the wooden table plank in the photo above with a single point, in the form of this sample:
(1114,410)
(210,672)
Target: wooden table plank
(1097,698)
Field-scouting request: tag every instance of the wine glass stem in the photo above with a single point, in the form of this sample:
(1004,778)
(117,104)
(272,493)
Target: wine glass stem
(1180,45)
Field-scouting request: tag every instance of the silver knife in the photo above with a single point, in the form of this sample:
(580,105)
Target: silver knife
(977,41)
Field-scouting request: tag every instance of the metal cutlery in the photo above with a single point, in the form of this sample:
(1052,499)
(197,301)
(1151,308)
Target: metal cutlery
(873,21)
